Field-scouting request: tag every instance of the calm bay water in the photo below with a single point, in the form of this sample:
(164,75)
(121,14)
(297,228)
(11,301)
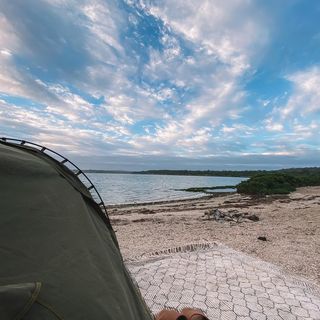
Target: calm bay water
(131,188)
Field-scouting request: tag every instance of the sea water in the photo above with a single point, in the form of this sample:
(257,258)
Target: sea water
(137,188)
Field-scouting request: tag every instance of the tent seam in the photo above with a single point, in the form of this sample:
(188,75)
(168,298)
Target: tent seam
(50,308)
(30,302)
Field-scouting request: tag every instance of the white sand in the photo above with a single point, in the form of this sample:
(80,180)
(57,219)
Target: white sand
(290,223)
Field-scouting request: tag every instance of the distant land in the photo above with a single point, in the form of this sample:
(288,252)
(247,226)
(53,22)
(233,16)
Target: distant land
(217,173)
(107,171)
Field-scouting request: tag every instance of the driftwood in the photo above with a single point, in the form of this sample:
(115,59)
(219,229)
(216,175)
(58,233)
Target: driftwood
(233,215)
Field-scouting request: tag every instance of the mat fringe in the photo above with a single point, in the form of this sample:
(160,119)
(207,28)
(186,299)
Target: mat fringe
(190,247)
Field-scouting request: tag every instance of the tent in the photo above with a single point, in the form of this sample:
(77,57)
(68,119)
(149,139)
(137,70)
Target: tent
(59,257)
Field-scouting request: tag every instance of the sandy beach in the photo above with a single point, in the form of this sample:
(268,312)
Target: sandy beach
(289,223)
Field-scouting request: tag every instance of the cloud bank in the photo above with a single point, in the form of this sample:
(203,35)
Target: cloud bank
(121,84)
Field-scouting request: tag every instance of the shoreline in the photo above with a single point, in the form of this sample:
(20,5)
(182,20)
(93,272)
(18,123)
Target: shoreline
(290,224)
(134,204)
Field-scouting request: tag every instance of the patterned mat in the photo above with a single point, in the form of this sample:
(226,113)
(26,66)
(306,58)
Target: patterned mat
(224,283)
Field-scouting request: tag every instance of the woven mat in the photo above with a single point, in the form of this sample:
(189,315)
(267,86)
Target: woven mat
(224,283)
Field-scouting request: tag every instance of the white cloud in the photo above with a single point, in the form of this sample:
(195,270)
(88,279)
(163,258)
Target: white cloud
(228,30)
(91,85)
(207,48)
(10,78)
(238,129)
(271,125)
(224,39)
(106,73)
(296,120)
(305,98)
(61,134)
(8,39)
(105,22)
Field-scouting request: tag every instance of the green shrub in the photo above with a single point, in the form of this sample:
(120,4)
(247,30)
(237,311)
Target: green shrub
(273,183)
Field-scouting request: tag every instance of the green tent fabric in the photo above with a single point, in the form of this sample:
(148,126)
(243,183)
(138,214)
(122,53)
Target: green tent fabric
(59,257)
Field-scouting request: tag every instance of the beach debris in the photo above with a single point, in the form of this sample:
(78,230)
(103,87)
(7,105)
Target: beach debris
(139,220)
(253,217)
(231,216)
(214,214)
(116,221)
(146,211)
(262,238)
(152,220)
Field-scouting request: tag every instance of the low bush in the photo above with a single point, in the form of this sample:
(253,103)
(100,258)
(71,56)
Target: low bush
(270,183)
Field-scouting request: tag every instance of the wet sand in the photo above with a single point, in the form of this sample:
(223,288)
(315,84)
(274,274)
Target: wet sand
(291,225)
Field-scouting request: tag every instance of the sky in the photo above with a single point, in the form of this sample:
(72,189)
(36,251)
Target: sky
(184,84)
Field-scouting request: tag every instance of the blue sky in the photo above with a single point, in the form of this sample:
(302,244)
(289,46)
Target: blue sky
(164,84)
